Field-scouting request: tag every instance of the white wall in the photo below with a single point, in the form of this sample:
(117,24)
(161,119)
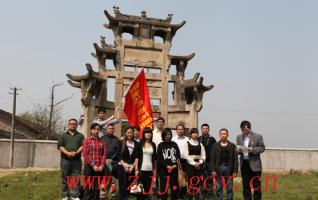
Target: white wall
(44,153)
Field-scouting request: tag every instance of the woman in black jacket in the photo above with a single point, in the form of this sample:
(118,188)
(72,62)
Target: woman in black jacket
(128,162)
(195,156)
(146,162)
(168,154)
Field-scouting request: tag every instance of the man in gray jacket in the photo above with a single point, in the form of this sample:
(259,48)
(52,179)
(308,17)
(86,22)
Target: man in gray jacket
(250,146)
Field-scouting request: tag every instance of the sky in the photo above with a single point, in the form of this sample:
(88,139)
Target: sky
(261,56)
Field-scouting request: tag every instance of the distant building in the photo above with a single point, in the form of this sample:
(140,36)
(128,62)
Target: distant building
(23,128)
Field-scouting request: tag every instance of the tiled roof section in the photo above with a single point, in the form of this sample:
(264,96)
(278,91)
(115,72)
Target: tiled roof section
(141,19)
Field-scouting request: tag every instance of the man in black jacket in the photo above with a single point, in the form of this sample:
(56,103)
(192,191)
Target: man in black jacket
(224,163)
(207,141)
(112,150)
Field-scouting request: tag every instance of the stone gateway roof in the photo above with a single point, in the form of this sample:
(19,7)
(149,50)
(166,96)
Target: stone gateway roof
(142,19)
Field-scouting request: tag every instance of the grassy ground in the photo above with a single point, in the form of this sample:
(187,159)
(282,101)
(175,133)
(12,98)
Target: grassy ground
(45,185)
(26,185)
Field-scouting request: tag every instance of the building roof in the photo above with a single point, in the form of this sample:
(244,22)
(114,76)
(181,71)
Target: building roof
(19,122)
(143,19)
(175,60)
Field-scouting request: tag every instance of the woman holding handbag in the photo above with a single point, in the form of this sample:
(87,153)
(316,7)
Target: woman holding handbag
(128,162)
(146,163)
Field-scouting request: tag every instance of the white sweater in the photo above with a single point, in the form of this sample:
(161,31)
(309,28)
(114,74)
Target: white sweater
(190,158)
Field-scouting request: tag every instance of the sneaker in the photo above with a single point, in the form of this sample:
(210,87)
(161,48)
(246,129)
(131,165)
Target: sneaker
(65,198)
(75,198)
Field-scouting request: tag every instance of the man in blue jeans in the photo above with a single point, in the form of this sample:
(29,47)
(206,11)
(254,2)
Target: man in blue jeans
(224,164)
(70,145)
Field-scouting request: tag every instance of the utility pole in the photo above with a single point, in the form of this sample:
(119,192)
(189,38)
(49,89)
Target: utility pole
(52,108)
(13,126)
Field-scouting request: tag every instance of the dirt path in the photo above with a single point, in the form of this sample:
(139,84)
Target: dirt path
(7,172)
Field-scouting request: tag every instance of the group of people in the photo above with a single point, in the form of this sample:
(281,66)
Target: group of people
(156,158)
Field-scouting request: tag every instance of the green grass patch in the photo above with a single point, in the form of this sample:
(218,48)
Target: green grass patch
(46,186)
(288,186)
(31,185)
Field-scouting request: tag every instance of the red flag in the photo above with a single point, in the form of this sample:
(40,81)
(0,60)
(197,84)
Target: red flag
(137,103)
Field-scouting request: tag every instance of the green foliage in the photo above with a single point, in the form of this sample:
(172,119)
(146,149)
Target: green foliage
(39,116)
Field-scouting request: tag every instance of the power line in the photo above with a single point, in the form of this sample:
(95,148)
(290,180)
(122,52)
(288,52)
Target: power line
(26,104)
(5,97)
(6,82)
(263,112)
(28,97)
(31,99)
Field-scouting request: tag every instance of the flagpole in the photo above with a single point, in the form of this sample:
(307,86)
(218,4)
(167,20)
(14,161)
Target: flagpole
(125,93)
(132,82)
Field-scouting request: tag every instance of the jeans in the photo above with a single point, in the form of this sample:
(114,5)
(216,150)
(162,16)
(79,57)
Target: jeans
(70,167)
(207,187)
(224,171)
(107,169)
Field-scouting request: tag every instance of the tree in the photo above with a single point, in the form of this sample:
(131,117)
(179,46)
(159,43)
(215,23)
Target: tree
(39,117)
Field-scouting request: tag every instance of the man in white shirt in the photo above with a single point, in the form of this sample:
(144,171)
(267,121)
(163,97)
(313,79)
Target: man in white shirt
(156,137)
(102,121)
(181,141)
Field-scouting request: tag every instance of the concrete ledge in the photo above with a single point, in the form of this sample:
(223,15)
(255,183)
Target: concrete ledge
(44,154)
(30,141)
(290,149)
(284,159)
